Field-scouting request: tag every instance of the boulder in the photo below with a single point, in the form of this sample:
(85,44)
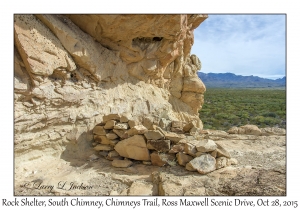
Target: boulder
(134,147)
(203,164)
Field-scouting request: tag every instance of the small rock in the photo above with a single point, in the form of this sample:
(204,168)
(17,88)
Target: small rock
(190,149)
(189,126)
(113,153)
(101,147)
(101,139)
(206,145)
(154,135)
(233,161)
(121,163)
(93,157)
(132,123)
(177,148)
(221,162)
(110,124)
(183,159)
(112,136)
(156,159)
(159,145)
(124,119)
(113,142)
(99,130)
(111,117)
(222,152)
(121,126)
(148,123)
(174,137)
(120,133)
(147,163)
(136,130)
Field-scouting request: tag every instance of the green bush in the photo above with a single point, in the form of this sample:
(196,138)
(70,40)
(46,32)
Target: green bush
(224,108)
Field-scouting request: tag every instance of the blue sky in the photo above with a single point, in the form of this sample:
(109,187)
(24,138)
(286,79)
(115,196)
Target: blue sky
(242,44)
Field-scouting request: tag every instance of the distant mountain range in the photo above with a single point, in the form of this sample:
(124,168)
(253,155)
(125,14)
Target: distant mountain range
(237,81)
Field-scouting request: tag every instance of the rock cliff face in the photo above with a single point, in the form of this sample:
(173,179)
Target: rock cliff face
(71,70)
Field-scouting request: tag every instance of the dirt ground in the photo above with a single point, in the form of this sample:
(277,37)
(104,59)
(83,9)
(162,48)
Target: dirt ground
(261,170)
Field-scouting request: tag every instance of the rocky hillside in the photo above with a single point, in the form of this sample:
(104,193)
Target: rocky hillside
(228,80)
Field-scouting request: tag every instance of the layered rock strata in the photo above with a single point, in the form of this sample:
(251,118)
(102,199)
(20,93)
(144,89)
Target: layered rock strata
(71,70)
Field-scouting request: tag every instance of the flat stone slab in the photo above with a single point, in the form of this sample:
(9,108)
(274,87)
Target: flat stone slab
(159,145)
(154,135)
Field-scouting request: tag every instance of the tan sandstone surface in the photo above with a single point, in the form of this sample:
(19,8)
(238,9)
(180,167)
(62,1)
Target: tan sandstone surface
(258,168)
(89,89)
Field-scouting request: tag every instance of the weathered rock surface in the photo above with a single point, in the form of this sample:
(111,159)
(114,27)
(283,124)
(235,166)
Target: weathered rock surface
(246,129)
(72,70)
(159,145)
(134,147)
(183,159)
(206,146)
(261,171)
(203,164)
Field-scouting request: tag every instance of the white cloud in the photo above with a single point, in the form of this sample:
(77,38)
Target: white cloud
(242,44)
